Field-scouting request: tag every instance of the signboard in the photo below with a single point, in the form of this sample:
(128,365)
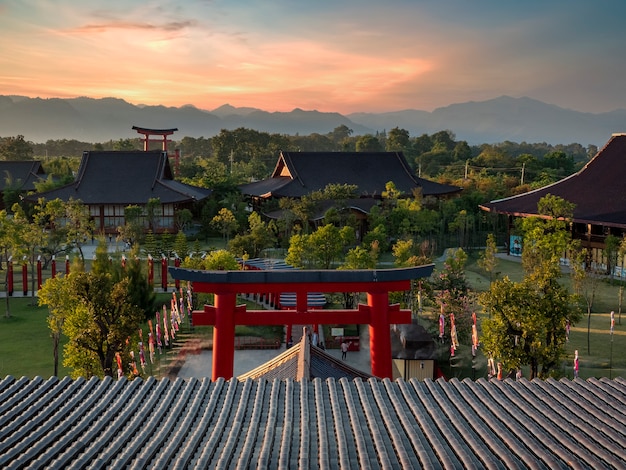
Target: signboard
(336,332)
(515,245)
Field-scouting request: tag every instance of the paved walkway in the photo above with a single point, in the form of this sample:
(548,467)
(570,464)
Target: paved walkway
(200,365)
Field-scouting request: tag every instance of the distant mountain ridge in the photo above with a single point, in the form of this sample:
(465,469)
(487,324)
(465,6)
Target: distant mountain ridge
(491,121)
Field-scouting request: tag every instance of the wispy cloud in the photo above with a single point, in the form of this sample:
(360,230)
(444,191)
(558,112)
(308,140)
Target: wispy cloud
(130,26)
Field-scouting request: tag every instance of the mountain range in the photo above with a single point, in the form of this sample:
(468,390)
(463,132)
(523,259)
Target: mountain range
(477,122)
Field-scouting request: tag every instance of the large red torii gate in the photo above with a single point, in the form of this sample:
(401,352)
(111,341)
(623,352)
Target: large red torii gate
(225,314)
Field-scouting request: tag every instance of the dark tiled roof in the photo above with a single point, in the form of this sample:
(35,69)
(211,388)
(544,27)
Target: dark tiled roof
(370,171)
(597,190)
(23,174)
(304,361)
(312,424)
(134,177)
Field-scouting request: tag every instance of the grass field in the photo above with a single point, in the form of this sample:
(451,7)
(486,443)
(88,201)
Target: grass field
(26,345)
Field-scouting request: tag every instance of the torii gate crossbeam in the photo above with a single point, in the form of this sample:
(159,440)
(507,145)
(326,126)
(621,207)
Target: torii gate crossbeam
(225,314)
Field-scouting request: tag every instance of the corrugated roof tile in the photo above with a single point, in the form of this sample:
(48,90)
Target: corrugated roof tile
(312,423)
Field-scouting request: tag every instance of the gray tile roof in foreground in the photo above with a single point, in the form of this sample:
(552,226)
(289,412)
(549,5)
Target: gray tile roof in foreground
(105,423)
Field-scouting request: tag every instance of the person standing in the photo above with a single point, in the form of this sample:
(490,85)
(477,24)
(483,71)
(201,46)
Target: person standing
(344,349)
(576,364)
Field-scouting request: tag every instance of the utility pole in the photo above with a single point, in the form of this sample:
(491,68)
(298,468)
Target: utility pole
(523,168)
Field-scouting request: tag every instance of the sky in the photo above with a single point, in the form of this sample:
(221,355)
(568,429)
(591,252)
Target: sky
(332,56)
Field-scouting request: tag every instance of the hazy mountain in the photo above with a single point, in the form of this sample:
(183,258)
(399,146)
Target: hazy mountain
(491,121)
(504,118)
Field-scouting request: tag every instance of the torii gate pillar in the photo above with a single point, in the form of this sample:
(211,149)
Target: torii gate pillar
(224,335)
(380,339)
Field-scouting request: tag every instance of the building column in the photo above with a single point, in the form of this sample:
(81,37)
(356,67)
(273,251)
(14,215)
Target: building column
(380,336)
(224,336)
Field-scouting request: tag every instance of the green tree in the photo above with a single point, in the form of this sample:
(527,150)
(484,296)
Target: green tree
(15,148)
(218,260)
(546,238)
(182,218)
(297,253)
(397,140)
(368,143)
(54,293)
(326,246)
(98,315)
(611,251)
(140,292)
(225,222)
(80,226)
(452,293)
(166,244)
(361,258)
(125,145)
(132,230)
(153,209)
(27,241)
(406,254)
(527,323)
(259,237)
(340,134)
(586,278)
(378,234)
(181,246)
(7,242)
(150,245)
(488,259)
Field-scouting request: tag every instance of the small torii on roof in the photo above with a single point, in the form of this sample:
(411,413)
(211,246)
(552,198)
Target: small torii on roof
(148,132)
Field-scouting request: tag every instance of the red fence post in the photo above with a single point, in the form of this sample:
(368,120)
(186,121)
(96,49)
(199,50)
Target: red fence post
(67,265)
(39,275)
(177,264)
(10,275)
(53,267)
(24,277)
(164,273)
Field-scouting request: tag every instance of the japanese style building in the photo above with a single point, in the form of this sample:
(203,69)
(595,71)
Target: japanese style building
(19,176)
(109,181)
(298,174)
(598,191)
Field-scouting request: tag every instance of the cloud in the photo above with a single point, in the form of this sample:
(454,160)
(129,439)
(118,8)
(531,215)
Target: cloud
(130,26)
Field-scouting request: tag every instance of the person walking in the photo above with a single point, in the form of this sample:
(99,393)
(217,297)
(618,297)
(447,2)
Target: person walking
(344,349)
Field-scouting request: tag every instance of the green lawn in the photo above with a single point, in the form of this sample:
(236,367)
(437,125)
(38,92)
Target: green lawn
(25,342)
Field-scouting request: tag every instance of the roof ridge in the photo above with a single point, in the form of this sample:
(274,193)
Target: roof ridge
(82,168)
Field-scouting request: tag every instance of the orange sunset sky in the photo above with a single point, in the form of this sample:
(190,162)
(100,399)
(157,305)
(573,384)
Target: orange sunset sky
(346,56)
